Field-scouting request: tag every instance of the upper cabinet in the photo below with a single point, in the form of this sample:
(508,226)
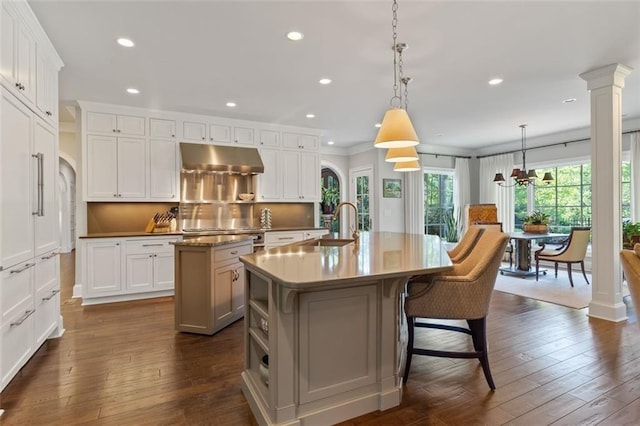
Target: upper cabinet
(300,141)
(269,138)
(194,131)
(115,123)
(161,128)
(29,64)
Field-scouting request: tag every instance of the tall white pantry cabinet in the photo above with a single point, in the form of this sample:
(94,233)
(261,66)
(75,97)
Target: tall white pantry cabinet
(29,226)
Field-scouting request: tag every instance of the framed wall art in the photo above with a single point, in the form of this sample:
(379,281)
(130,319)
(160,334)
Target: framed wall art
(392,188)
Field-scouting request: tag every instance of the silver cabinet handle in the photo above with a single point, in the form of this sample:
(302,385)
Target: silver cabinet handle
(53,293)
(234,252)
(152,245)
(24,268)
(55,253)
(26,315)
(285,238)
(40,184)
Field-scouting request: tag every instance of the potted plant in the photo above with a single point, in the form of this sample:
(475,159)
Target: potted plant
(329,201)
(630,233)
(450,226)
(536,222)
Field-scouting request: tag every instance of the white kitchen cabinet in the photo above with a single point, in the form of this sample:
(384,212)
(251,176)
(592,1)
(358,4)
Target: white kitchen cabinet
(244,136)
(47,230)
(46,292)
(300,141)
(316,233)
(149,265)
(228,134)
(301,176)
(98,122)
(163,169)
(279,238)
(220,133)
(46,86)
(194,131)
(103,260)
(115,168)
(18,343)
(228,295)
(162,129)
(16,289)
(269,138)
(270,182)
(120,269)
(18,53)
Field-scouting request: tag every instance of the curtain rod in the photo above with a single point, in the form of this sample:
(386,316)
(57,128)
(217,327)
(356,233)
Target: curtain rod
(547,146)
(446,155)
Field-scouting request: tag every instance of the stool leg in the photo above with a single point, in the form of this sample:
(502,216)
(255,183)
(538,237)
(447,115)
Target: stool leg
(478,329)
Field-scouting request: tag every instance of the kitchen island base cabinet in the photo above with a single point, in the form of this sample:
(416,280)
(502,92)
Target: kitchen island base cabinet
(333,354)
(209,291)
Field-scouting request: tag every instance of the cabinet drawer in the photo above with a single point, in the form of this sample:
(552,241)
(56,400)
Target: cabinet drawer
(149,245)
(277,238)
(17,290)
(226,253)
(17,343)
(47,311)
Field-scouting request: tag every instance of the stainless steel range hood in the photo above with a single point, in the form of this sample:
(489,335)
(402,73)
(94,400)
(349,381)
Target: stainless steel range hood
(218,158)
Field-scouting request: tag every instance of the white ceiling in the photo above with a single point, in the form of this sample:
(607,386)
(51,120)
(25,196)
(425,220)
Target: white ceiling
(194,56)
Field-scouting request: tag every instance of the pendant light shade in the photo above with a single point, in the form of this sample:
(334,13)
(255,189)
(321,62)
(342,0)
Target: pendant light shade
(395,155)
(396,130)
(409,166)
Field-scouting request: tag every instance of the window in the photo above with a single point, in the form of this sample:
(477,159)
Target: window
(438,201)
(567,200)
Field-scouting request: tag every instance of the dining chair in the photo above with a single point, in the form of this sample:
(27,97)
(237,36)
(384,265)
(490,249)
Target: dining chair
(572,250)
(466,244)
(462,294)
(630,260)
(497,226)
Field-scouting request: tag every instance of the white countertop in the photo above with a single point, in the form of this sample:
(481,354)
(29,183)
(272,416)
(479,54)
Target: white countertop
(378,255)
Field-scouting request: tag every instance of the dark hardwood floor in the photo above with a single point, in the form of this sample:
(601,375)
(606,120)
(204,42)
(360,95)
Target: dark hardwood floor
(123,364)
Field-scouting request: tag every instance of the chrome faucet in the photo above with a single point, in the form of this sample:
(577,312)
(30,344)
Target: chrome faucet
(355,233)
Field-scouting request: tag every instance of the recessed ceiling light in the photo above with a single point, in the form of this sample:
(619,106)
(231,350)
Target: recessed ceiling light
(133,91)
(495,81)
(311,115)
(378,125)
(231,104)
(325,81)
(125,42)
(568,101)
(295,35)
(330,142)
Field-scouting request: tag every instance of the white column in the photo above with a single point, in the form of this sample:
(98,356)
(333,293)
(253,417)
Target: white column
(605,85)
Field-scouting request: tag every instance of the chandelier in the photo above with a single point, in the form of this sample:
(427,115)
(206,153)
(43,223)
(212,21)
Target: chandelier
(396,130)
(523,177)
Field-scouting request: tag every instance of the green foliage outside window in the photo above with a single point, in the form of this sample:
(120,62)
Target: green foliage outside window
(438,204)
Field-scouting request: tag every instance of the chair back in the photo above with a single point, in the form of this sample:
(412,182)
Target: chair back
(577,245)
(490,226)
(466,244)
(465,292)
(631,268)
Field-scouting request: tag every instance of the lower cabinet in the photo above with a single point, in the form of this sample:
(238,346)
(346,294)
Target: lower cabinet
(118,269)
(30,311)
(278,238)
(209,286)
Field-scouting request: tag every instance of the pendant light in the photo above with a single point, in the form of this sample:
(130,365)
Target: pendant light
(523,177)
(408,166)
(396,130)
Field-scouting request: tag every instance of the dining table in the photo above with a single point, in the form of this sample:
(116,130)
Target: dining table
(522,266)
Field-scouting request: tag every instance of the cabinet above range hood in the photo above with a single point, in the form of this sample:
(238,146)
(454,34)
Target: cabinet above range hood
(219,158)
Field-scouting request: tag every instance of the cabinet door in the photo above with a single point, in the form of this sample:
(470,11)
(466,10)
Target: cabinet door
(194,131)
(309,176)
(163,172)
(26,61)
(8,44)
(102,166)
(290,175)
(290,140)
(244,136)
(163,271)
(17,340)
(270,182)
(46,86)
(47,236)
(130,125)
(139,272)
(237,291)
(220,133)
(103,268)
(132,171)
(224,280)
(17,184)
(101,123)
(311,142)
(270,138)
(160,128)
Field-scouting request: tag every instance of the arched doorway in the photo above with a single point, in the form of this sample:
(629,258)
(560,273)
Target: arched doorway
(330,191)
(67,207)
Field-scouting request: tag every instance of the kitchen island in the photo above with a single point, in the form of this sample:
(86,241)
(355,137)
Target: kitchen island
(325,333)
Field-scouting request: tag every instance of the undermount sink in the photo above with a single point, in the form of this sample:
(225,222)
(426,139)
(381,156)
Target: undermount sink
(328,242)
